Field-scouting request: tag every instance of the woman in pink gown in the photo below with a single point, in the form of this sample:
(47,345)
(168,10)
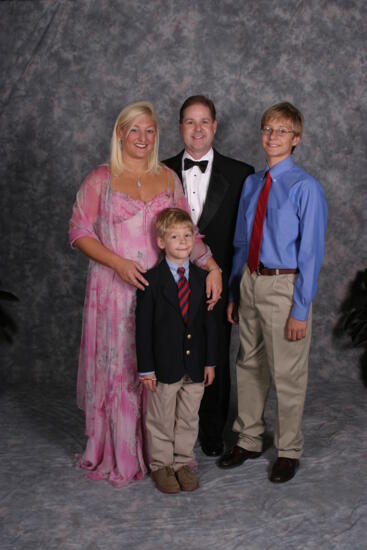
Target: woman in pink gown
(112,224)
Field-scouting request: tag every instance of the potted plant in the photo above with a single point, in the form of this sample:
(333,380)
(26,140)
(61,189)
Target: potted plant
(353,319)
(7,325)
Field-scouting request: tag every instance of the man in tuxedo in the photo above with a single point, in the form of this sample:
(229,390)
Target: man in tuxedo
(213,185)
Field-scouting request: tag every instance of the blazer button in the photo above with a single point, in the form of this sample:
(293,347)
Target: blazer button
(187,352)
(189,336)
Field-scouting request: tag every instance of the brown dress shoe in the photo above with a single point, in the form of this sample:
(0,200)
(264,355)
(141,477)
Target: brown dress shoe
(187,479)
(284,469)
(236,456)
(165,480)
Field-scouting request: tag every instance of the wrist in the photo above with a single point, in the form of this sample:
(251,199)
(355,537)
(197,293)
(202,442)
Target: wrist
(211,265)
(114,261)
(149,376)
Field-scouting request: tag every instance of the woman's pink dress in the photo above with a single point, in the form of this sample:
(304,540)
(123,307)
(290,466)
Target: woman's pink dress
(108,384)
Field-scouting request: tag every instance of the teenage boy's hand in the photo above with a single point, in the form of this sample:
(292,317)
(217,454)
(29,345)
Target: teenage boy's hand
(296,329)
(209,375)
(232,313)
(149,382)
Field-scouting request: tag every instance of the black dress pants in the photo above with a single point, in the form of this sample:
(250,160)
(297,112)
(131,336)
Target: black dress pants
(214,405)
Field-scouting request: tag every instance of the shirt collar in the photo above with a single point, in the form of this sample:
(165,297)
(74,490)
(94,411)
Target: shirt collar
(173,266)
(280,167)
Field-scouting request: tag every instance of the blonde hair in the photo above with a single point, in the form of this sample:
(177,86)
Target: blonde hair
(125,121)
(285,110)
(170,217)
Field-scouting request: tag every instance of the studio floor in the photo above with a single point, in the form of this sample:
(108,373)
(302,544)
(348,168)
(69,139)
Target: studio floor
(47,503)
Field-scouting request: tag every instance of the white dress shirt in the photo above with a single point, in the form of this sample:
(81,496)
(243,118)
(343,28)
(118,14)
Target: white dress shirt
(196,184)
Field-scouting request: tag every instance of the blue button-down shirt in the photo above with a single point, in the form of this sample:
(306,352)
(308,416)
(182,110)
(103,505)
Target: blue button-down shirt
(293,234)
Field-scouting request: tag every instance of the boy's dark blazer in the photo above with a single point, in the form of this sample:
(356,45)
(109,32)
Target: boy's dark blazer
(164,344)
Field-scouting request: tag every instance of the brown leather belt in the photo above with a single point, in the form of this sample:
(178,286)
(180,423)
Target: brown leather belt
(262,270)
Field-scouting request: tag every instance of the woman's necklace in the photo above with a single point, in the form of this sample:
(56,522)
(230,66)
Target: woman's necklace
(139,180)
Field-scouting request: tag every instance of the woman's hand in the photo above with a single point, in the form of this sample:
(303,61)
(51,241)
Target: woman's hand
(213,287)
(130,272)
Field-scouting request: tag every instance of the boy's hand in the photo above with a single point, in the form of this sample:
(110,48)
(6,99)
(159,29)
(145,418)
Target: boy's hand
(149,382)
(209,375)
(232,313)
(296,329)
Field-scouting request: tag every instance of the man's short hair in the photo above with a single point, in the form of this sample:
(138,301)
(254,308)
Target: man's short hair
(285,110)
(170,217)
(194,100)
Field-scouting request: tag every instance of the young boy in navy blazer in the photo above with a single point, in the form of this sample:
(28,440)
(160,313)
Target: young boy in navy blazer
(176,352)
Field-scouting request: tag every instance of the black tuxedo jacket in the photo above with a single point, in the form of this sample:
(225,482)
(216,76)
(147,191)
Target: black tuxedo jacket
(164,343)
(218,219)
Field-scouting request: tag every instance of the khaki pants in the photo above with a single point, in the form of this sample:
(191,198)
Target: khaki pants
(172,423)
(266,354)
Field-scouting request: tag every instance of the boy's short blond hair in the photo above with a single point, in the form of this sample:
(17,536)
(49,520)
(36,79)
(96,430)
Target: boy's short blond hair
(285,110)
(170,217)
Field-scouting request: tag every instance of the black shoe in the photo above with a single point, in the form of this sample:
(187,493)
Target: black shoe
(236,456)
(211,450)
(284,469)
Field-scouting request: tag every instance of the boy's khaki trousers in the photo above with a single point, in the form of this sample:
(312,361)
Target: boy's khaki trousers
(172,423)
(266,354)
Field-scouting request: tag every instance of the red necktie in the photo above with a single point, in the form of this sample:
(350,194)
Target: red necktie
(183,294)
(257,228)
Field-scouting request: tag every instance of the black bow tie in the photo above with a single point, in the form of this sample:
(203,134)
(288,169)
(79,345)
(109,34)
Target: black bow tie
(202,164)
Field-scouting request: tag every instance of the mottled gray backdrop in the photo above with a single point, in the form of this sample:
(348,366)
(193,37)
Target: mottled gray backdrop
(67,68)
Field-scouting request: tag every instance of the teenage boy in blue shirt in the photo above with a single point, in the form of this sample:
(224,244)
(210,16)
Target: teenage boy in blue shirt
(272,287)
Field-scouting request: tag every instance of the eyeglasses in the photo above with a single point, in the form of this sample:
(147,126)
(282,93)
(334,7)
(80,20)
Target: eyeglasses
(282,132)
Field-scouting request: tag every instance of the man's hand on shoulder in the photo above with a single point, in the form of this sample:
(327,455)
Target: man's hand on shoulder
(214,287)
(296,329)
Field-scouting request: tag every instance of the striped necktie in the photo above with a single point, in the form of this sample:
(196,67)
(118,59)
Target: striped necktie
(183,294)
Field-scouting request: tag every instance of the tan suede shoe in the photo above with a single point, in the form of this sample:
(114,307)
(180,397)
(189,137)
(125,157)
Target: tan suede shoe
(165,480)
(187,479)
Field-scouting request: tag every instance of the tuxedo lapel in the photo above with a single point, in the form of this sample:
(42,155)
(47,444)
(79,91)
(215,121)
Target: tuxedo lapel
(218,186)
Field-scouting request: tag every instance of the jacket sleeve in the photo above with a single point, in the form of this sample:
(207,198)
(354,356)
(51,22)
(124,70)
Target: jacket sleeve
(144,320)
